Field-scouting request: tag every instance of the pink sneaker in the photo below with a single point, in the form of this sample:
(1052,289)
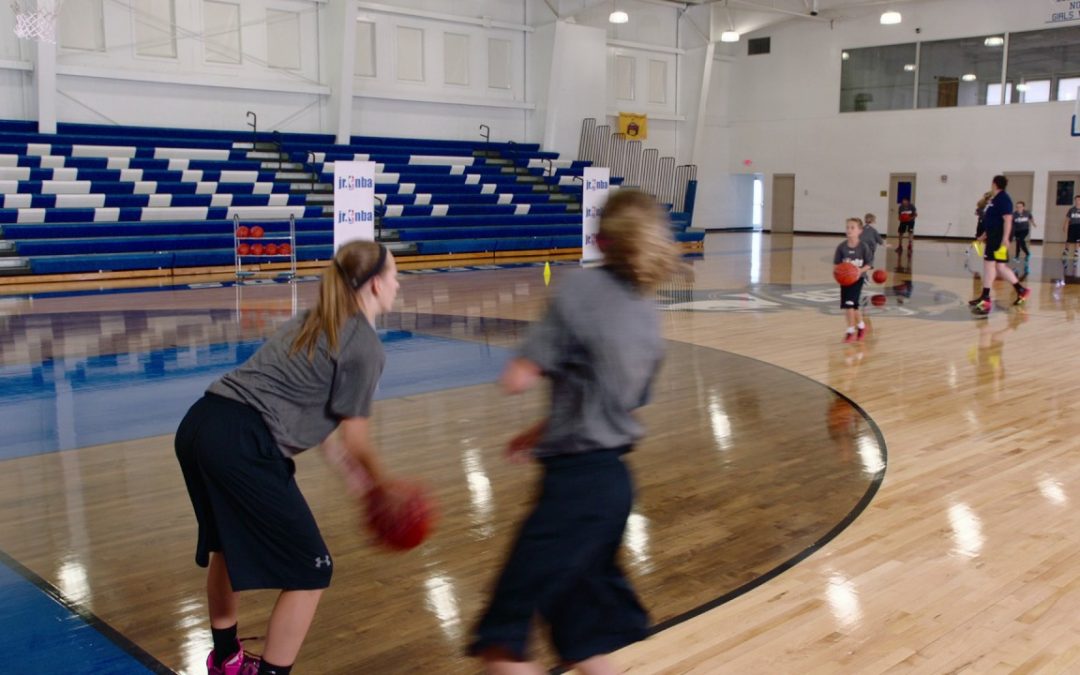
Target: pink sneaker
(849,338)
(861,335)
(240,663)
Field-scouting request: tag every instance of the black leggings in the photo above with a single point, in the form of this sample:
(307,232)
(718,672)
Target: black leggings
(1021,236)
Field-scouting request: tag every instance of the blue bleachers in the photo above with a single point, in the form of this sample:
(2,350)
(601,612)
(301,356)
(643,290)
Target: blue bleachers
(108,198)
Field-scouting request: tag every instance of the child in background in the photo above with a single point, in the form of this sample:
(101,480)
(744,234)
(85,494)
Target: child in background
(870,236)
(855,251)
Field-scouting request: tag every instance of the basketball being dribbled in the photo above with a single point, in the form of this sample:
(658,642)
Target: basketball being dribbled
(845,274)
(880,276)
(400,517)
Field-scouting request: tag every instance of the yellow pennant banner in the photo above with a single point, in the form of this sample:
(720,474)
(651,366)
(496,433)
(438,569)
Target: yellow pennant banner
(634,126)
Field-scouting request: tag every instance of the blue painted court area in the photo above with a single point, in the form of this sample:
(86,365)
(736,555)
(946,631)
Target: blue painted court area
(74,403)
(41,635)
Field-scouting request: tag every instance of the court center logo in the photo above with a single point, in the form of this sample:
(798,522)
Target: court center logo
(903,299)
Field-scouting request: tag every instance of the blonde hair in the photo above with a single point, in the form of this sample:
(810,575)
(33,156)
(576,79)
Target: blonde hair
(635,236)
(870,218)
(857,221)
(353,265)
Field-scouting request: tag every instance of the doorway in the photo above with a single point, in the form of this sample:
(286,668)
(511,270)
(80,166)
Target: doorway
(783,203)
(1061,188)
(901,186)
(749,200)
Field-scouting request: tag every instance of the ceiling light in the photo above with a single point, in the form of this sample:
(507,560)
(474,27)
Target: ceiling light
(845,56)
(968,77)
(890,18)
(994,41)
(729,36)
(909,67)
(618,16)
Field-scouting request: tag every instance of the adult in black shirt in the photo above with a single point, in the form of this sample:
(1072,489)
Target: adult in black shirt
(997,224)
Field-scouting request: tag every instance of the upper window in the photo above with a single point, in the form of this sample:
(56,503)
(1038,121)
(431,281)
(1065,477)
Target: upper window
(955,72)
(877,78)
(1044,65)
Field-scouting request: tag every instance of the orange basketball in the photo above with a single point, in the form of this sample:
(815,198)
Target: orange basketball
(257,231)
(243,249)
(845,274)
(878,300)
(271,249)
(880,276)
(284,249)
(905,218)
(242,231)
(257,249)
(401,517)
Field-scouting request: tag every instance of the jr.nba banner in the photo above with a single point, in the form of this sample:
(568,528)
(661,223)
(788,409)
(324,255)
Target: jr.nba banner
(354,202)
(634,126)
(594,193)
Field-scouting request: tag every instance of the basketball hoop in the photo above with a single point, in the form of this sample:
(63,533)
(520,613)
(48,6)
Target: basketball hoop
(36,22)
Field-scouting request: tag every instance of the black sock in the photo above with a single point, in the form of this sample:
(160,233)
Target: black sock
(266,668)
(225,643)
(1018,287)
(985,294)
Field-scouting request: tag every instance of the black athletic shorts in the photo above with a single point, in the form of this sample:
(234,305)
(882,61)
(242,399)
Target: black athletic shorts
(850,295)
(993,242)
(1074,234)
(246,500)
(906,227)
(563,566)
(1019,234)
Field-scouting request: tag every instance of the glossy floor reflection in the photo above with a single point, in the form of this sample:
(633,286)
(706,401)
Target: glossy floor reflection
(726,498)
(962,560)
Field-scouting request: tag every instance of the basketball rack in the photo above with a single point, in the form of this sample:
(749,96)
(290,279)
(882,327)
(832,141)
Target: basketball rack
(247,242)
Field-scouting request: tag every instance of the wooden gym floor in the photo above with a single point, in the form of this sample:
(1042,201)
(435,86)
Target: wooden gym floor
(773,532)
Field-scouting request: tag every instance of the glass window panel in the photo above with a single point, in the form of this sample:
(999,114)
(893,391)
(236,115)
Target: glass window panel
(1051,54)
(955,73)
(499,63)
(283,39)
(877,78)
(657,81)
(155,28)
(364,64)
(624,77)
(81,26)
(410,54)
(993,93)
(221,24)
(1067,86)
(455,58)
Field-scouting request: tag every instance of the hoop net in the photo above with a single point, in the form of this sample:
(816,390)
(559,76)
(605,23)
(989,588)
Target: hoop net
(35,23)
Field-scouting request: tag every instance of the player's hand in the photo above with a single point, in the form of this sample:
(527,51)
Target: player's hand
(519,449)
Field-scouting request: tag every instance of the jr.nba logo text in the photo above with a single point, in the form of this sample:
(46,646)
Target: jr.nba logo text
(596,185)
(354,182)
(593,212)
(350,216)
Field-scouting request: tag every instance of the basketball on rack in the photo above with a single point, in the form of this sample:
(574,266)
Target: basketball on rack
(284,249)
(243,249)
(242,231)
(257,249)
(271,249)
(257,231)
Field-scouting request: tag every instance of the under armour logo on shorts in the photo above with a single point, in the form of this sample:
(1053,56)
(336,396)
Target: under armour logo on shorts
(320,561)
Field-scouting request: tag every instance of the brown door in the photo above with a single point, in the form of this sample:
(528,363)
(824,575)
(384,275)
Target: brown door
(948,91)
(783,203)
(1021,189)
(900,185)
(1061,188)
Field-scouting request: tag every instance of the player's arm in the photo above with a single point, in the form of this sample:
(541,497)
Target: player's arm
(520,375)
(354,435)
(1008,221)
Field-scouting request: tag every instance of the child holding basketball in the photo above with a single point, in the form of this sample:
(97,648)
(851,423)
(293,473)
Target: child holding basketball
(854,251)
(313,381)
(599,344)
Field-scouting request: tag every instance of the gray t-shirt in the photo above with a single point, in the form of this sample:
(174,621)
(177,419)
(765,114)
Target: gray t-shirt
(303,400)
(872,238)
(600,345)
